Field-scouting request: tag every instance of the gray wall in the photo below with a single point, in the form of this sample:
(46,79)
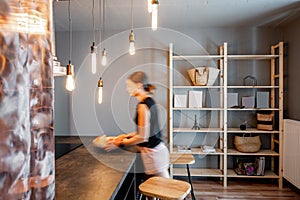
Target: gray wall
(79,112)
(291,37)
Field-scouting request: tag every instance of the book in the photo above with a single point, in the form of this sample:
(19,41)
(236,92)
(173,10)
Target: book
(260,162)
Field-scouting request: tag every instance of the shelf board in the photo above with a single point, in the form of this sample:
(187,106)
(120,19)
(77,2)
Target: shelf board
(200,57)
(268,174)
(252,57)
(229,109)
(229,87)
(248,130)
(252,87)
(197,151)
(202,130)
(218,173)
(231,57)
(262,152)
(253,109)
(190,109)
(197,87)
(198,172)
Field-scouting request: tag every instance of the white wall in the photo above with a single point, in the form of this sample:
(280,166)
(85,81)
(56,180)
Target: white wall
(115,114)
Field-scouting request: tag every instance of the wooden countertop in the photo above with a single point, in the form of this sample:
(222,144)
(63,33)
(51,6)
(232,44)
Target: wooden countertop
(91,173)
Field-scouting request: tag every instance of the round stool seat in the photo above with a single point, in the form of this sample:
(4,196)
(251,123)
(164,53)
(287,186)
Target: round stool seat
(165,188)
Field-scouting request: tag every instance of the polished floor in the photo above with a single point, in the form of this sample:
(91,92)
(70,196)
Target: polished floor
(212,189)
(238,189)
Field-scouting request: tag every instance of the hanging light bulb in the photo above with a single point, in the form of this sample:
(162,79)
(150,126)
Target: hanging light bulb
(94,58)
(131,43)
(131,35)
(154,14)
(93,47)
(100,90)
(149,3)
(104,57)
(70,83)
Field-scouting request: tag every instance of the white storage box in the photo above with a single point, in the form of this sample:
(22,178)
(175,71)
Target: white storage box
(262,100)
(232,99)
(180,101)
(248,102)
(195,99)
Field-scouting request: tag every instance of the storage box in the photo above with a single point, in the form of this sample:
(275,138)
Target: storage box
(195,99)
(262,99)
(248,102)
(180,101)
(265,121)
(232,99)
(265,117)
(265,127)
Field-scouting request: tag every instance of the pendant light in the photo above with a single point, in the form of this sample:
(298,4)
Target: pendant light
(154,14)
(93,47)
(131,35)
(104,53)
(131,43)
(100,90)
(104,57)
(70,83)
(149,4)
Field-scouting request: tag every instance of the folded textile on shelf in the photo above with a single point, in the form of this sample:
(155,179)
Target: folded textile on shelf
(208,149)
(184,149)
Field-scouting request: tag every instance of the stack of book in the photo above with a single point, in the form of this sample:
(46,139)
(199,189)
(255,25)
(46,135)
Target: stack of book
(260,163)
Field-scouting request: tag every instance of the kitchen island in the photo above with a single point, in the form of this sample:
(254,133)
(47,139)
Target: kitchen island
(89,173)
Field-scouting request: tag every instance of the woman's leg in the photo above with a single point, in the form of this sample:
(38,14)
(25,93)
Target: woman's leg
(164,174)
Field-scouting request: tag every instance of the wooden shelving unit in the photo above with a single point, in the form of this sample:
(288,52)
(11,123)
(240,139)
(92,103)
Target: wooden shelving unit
(223,153)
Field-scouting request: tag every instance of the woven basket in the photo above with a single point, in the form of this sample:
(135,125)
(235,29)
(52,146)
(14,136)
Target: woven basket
(247,144)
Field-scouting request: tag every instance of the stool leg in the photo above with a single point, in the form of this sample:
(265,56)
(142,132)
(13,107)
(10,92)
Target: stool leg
(190,180)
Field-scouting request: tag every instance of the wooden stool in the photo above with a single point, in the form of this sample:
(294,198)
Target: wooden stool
(184,159)
(165,188)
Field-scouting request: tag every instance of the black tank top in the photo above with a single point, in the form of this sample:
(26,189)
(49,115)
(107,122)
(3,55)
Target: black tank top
(155,133)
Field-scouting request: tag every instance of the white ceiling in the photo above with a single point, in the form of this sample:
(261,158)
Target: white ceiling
(177,14)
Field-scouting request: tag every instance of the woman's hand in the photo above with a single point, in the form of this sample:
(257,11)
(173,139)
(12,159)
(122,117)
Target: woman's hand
(109,145)
(112,143)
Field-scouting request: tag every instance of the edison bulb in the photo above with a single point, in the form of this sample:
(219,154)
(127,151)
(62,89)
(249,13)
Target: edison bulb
(131,48)
(94,62)
(154,16)
(70,83)
(149,6)
(104,58)
(100,94)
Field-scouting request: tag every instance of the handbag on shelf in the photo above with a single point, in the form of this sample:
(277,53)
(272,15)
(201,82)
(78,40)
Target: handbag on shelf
(202,76)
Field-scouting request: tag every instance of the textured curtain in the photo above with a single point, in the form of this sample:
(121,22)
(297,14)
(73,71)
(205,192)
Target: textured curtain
(26,100)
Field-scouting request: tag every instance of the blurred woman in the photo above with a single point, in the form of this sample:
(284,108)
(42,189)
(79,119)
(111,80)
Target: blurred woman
(147,136)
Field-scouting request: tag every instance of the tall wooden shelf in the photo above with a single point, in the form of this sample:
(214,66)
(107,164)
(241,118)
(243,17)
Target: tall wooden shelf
(224,151)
